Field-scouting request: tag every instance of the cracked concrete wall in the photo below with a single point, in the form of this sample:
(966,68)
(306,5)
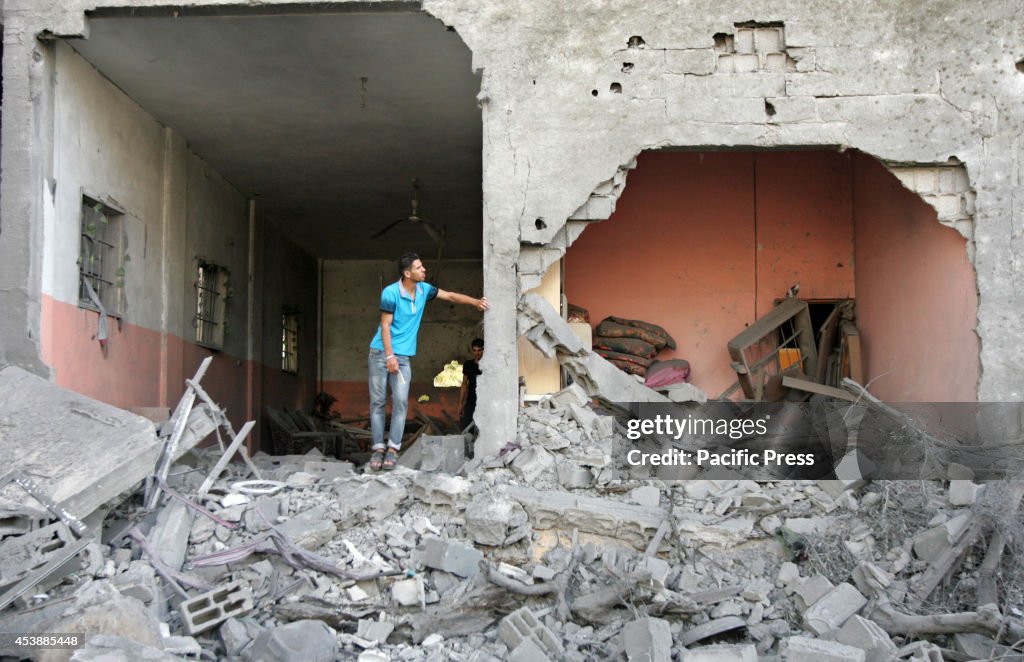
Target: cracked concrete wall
(572,94)
(571,97)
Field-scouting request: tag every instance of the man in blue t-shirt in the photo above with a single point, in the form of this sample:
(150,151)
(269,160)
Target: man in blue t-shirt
(401,311)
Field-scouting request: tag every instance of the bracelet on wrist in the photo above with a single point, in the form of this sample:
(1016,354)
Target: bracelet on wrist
(389,357)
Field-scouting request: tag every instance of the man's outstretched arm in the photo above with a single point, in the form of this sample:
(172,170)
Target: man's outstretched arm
(455,297)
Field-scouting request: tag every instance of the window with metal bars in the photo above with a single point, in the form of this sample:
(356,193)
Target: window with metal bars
(211,297)
(290,341)
(100,259)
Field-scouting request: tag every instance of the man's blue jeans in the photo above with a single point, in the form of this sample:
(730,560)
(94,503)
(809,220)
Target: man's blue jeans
(380,380)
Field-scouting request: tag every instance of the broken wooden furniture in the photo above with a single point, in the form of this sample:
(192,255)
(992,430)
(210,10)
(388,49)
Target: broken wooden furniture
(781,342)
(294,433)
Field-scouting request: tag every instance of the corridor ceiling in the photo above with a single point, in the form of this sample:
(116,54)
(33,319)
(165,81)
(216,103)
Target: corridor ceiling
(325,117)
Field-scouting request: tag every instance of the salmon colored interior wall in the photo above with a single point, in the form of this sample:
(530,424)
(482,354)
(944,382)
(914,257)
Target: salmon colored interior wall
(804,226)
(702,243)
(917,303)
(130,373)
(124,378)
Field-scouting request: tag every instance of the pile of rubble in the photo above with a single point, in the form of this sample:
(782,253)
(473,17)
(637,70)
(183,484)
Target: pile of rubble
(544,552)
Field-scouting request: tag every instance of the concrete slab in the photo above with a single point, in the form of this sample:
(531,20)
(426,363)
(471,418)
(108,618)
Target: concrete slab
(64,441)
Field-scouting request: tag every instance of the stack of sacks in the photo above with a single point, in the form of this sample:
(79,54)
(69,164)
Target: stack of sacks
(630,345)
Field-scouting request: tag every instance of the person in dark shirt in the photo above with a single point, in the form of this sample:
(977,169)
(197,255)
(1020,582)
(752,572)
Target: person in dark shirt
(470,371)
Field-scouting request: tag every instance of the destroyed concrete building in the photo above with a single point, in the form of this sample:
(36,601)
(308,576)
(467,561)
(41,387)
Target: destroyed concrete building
(222,180)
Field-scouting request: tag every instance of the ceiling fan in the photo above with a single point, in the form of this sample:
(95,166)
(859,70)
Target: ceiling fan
(438,236)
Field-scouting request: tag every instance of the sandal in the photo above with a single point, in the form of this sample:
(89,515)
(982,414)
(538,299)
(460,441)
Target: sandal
(390,460)
(376,460)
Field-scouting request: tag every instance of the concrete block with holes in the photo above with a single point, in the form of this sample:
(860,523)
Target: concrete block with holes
(521,625)
(29,552)
(213,607)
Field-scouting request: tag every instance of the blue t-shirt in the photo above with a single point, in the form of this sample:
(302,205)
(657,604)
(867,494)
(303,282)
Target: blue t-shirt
(408,313)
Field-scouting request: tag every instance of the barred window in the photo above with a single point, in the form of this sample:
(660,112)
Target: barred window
(211,298)
(100,257)
(290,341)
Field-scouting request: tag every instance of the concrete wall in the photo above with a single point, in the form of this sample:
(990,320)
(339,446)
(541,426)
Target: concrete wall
(352,314)
(703,243)
(290,280)
(177,208)
(912,82)
(106,146)
(917,298)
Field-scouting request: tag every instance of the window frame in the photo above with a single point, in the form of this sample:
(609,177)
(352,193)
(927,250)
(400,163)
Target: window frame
(108,231)
(209,314)
(290,339)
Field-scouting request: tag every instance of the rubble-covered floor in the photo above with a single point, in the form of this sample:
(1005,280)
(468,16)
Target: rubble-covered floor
(542,553)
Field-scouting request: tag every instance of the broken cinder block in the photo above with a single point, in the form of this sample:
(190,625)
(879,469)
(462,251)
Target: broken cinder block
(204,611)
(521,625)
(27,553)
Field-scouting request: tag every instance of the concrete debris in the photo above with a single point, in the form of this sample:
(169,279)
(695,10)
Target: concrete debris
(310,641)
(834,608)
(868,636)
(522,626)
(452,557)
(496,519)
(721,653)
(444,454)
(61,439)
(213,607)
(647,639)
(114,648)
(543,552)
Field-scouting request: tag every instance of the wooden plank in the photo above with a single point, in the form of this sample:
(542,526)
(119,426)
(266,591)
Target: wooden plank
(820,389)
(802,322)
(765,325)
(826,339)
(543,375)
(853,358)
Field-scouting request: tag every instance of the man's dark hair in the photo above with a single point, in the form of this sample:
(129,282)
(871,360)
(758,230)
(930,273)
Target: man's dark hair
(477,342)
(405,262)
